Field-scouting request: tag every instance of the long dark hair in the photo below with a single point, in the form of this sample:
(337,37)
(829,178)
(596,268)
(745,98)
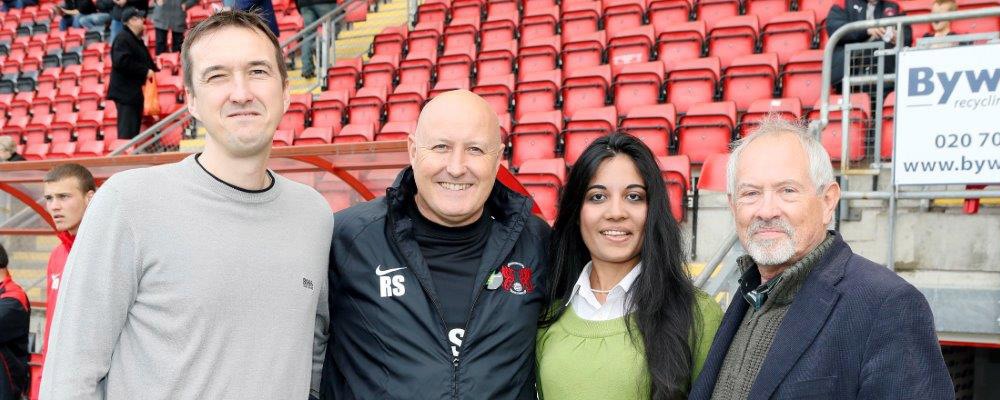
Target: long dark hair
(661,302)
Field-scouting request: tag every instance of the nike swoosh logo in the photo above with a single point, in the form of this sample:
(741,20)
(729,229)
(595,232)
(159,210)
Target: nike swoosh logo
(379,271)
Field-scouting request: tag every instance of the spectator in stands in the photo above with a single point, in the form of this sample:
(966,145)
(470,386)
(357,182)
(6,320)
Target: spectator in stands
(131,66)
(846,11)
(97,20)
(942,28)
(448,249)
(616,249)
(68,189)
(170,16)
(206,278)
(72,11)
(264,8)
(311,11)
(118,19)
(11,4)
(811,317)
(15,313)
(8,150)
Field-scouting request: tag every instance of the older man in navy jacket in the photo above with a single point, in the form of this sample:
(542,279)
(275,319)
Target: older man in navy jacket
(811,319)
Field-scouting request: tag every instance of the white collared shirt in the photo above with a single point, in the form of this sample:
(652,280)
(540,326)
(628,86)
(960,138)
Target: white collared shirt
(585,303)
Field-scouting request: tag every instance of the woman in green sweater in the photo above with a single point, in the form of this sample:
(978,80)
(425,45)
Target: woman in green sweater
(624,320)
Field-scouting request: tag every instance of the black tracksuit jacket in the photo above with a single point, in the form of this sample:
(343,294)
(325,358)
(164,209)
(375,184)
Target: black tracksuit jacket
(14,315)
(388,338)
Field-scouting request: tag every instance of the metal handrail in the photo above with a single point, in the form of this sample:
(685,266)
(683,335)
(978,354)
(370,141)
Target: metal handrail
(329,20)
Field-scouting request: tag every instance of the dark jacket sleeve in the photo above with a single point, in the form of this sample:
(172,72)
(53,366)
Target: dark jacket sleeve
(902,358)
(189,3)
(13,319)
(839,17)
(123,59)
(105,6)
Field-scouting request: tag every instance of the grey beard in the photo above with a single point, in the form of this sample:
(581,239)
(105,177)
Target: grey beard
(771,251)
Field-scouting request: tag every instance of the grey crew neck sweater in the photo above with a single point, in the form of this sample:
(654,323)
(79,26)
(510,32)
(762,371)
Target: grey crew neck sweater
(748,349)
(180,286)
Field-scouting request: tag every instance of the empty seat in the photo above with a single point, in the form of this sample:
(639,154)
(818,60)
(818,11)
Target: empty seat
(584,127)
(692,81)
(821,7)
(630,46)
(61,129)
(534,136)
(733,37)
(749,78)
(460,35)
(88,124)
(497,61)
(61,150)
(787,109)
(706,129)
(653,124)
(676,171)
(36,151)
(680,42)
(379,71)
(537,92)
(396,130)
(344,75)
(713,173)
(664,14)
(713,11)
(620,15)
(638,85)
(976,25)
(283,137)
(766,9)
(582,51)
(501,7)
(36,129)
(585,88)
(89,149)
(465,9)
(888,125)
(857,126)
(499,29)
(802,77)
(543,179)
(497,91)
(538,54)
(405,102)
(356,132)
(449,85)
(328,108)
(580,17)
(539,23)
(390,41)
(789,33)
(366,106)
(315,135)
(432,12)
(457,65)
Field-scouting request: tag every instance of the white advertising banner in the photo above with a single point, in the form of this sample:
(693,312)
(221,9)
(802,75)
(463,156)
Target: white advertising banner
(947,116)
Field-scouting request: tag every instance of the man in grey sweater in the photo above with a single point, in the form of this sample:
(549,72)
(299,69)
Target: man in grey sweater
(204,279)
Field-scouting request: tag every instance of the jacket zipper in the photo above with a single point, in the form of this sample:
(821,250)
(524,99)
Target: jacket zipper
(455,362)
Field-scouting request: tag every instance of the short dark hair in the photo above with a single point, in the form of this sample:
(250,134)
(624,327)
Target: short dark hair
(240,19)
(81,173)
(3,257)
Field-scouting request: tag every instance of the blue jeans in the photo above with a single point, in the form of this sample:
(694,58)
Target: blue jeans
(68,21)
(266,10)
(94,22)
(7,5)
(116,28)
(309,15)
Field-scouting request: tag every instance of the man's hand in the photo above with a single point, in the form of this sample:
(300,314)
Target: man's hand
(120,3)
(877,32)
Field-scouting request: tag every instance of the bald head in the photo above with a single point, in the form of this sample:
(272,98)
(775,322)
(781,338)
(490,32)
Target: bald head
(459,109)
(455,153)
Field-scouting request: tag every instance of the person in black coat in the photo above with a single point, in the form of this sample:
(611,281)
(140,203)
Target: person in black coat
(843,12)
(14,315)
(118,17)
(131,65)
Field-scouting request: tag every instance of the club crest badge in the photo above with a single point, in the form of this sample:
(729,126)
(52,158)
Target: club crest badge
(516,278)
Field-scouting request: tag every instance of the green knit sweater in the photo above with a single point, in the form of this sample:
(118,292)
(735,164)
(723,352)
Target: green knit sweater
(581,360)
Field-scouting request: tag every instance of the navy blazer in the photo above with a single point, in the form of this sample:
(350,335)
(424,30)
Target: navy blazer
(855,330)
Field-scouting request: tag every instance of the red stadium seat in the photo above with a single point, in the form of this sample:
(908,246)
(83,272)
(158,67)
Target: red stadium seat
(391,42)
(498,61)
(888,124)
(653,124)
(713,11)
(379,71)
(88,124)
(61,129)
(36,151)
(551,170)
(583,51)
(366,106)
(749,78)
(423,40)
(713,173)
(802,77)
(432,12)
(680,42)
(766,9)
(448,85)
(535,136)
(832,135)
(621,15)
(638,85)
(65,99)
(539,22)
(61,150)
(315,135)
(580,17)
(48,78)
(360,132)
(396,130)
(789,33)
(283,137)
(460,35)
(665,14)
(328,108)
(463,9)
(976,25)
(344,75)
(692,81)
(733,37)
(537,54)
(89,149)
(676,171)
(405,103)
(36,129)
(499,28)
(457,65)
(821,7)
(534,7)
(706,129)
(584,127)
(788,109)
(585,88)
(501,7)
(630,46)
(496,90)
(537,92)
